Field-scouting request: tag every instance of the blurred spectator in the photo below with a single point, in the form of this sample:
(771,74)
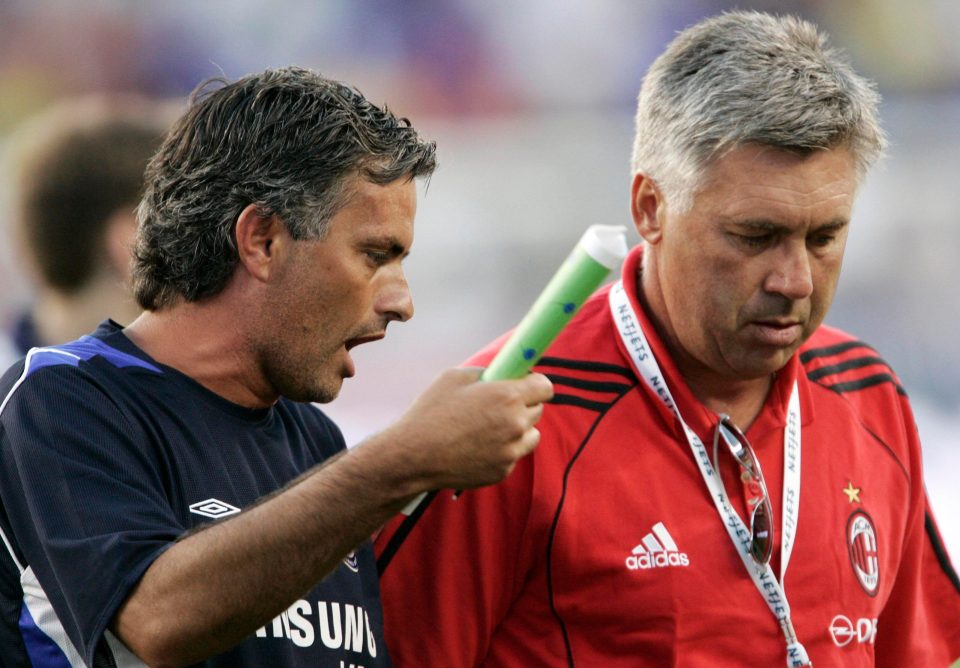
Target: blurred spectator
(77,177)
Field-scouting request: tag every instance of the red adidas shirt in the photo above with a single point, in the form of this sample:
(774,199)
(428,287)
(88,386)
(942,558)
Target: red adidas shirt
(603,548)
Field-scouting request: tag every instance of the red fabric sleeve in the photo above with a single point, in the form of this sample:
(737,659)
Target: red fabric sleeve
(446,617)
(920,624)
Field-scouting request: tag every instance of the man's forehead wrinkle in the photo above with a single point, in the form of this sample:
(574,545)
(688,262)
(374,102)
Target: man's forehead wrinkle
(824,193)
(796,190)
(745,206)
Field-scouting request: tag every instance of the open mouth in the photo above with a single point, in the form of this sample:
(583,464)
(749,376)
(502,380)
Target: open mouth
(353,343)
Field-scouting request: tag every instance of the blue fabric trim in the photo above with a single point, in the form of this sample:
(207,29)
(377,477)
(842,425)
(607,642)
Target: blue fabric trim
(84,349)
(43,652)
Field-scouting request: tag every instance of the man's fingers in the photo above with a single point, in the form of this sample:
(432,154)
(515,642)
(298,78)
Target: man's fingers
(537,389)
(529,441)
(534,413)
(470,372)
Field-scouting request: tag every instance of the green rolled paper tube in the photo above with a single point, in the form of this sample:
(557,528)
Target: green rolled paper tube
(601,249)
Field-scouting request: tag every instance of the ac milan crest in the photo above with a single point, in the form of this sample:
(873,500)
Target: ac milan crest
(863,549)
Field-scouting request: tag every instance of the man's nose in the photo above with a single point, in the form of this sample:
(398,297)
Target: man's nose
(395,301)
(791,276)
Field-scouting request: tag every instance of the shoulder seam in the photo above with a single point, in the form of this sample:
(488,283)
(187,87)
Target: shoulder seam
(556,521)
(580,402)
(940,551)
(23,376)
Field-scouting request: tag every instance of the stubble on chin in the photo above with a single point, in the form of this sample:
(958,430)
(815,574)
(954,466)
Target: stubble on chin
(297,378)
(304,391)
(316,384)
(324,394)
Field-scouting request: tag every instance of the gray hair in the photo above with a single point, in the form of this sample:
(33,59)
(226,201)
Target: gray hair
(749,78)
(287,140)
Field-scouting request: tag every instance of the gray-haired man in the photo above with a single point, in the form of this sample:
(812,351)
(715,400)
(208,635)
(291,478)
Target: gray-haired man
(722,480)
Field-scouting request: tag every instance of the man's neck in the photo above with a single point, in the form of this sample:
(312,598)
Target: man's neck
(206,342)
(741,399)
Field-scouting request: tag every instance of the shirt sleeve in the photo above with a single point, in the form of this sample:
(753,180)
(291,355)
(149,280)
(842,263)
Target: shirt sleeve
(83,493)
(920,623)
(477,554)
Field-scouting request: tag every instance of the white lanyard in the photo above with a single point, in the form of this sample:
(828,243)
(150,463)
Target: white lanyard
(763,577)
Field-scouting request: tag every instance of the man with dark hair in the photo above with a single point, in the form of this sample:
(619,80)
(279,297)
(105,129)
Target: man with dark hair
(78,175)
(667,517)
(165,499)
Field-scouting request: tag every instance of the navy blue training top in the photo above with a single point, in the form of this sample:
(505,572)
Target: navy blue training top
(106,458)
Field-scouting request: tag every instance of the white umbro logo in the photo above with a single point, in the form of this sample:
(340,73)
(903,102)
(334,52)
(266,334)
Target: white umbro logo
(213,508)
(351,562)
(657,550)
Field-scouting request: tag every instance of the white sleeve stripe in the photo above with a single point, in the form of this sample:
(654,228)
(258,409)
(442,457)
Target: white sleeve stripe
(123,657)
(26,369)
(45,618)
(23,375)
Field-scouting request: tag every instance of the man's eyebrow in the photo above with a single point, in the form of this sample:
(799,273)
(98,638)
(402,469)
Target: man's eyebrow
(768,225)
(753,224)
(835,224)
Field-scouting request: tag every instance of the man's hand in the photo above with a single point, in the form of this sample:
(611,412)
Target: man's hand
(462,433)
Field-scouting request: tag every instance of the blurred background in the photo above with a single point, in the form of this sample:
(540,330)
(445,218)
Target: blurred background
(531,104)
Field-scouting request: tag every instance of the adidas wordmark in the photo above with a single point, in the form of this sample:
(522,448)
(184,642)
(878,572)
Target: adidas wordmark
(657,550)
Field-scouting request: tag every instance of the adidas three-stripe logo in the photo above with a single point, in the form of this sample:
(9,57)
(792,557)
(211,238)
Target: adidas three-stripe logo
(657,550)
(848,366)
(586,384)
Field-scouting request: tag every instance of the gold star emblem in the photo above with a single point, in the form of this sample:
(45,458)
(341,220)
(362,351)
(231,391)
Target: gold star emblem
(853,493)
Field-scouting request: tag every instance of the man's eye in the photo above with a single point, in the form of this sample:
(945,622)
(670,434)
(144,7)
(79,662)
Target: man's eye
(377,257)
(822,240)
(754,240)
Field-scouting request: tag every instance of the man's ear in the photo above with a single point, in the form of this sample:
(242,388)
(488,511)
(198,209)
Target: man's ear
(648,207)
(261,240)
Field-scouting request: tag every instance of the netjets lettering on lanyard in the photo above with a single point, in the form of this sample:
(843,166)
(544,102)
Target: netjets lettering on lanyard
(763,577)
